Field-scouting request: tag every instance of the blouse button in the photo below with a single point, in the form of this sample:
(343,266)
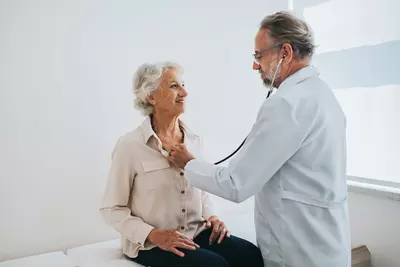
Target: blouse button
(182,174)
(183,192)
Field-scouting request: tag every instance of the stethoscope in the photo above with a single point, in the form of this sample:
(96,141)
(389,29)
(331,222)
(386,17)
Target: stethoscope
(270,90)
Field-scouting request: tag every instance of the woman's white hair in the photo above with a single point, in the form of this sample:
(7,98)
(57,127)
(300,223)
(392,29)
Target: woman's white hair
(146,80)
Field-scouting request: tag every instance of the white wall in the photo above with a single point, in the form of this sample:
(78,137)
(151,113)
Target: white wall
(375,222)
(65,78)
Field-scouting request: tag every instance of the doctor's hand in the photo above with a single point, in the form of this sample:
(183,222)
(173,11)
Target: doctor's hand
(219,230)
(179,156)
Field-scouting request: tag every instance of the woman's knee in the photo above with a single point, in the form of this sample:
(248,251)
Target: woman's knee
(205,258)
(251,253)
(240,252)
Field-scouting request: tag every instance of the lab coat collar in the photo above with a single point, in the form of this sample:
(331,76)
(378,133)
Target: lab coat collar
(148,131)
(299,76)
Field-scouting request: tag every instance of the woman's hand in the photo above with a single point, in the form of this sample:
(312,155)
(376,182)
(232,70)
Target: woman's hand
(219,229)
(171,240)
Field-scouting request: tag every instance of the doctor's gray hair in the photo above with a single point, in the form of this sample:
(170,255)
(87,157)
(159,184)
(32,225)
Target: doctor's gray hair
(284,27)
(146,80)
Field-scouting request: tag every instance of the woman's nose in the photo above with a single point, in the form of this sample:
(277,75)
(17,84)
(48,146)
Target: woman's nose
(183,91)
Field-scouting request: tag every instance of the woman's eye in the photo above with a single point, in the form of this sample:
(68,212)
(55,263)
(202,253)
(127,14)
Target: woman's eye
(176,85)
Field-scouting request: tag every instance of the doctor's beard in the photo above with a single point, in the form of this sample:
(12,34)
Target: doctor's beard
(271,71)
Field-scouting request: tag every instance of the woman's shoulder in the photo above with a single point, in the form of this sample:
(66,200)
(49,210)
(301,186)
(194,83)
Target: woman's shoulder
(131,138)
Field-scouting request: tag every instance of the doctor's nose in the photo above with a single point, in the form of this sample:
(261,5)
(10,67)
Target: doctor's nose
(256,66)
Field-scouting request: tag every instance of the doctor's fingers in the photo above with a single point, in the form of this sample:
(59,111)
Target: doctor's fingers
(178,147)
(174,154)
(178,153)
(172,159)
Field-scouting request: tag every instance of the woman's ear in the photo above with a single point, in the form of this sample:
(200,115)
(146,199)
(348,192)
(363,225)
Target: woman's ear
(151,100)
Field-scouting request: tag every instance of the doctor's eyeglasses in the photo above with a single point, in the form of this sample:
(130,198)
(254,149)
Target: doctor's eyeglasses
(258,55)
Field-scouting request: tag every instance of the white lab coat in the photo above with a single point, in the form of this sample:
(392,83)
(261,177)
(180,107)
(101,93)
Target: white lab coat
(294,162)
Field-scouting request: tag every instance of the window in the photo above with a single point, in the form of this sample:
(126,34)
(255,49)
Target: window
(358,55)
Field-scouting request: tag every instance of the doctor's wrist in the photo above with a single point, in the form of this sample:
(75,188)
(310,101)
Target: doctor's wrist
(189,160)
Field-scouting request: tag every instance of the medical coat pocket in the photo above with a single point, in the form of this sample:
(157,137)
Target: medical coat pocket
(312,201)
(263,233)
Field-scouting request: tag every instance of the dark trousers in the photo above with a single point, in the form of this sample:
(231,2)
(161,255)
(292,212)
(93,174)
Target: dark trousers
(232,252)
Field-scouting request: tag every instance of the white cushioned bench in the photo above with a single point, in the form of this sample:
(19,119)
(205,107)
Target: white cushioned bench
(54,259)
(109,253)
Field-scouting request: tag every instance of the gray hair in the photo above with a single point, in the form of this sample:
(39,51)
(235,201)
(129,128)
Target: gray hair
(146,80)
(284,27)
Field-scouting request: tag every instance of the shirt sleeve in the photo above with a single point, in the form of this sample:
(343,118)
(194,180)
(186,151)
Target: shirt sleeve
(114,209)
(275,137)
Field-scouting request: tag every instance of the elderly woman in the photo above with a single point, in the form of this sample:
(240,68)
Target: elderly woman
(163,220)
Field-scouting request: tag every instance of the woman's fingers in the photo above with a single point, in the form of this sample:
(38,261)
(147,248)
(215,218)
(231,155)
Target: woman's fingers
(177,240)
(215,231)
(187,240)
(222,235)
(184,245)
(177,252)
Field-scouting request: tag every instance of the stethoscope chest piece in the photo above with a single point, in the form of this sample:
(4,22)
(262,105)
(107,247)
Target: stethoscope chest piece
(164,153)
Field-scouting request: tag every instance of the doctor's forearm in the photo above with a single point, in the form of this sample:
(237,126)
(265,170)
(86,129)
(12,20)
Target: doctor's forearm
(215,180)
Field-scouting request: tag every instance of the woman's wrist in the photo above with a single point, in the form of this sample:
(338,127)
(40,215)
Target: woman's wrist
(153,233)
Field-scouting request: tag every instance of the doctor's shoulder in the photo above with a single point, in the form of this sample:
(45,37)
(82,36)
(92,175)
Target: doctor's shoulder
(275,106)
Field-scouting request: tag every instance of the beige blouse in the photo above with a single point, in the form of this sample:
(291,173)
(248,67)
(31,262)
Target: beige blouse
(144,191)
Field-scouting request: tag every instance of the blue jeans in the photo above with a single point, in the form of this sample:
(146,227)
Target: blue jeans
(232,252)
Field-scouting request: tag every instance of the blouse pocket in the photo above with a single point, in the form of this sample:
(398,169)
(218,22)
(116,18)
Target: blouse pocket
(155,165)
(157,174)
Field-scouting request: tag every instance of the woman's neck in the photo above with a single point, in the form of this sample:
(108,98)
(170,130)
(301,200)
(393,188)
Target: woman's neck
(166,125)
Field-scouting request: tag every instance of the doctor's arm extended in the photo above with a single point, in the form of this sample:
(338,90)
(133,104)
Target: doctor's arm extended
(275,137)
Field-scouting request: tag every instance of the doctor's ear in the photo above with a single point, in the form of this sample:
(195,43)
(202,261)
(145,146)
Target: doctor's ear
(287,52)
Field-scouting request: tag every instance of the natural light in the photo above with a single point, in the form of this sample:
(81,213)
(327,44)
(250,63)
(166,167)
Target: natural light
(359,56)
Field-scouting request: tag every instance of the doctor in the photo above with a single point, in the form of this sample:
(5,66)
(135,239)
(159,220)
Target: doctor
(293,161)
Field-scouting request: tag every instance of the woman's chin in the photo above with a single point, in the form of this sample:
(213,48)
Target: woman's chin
(180,108)
(179,111)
